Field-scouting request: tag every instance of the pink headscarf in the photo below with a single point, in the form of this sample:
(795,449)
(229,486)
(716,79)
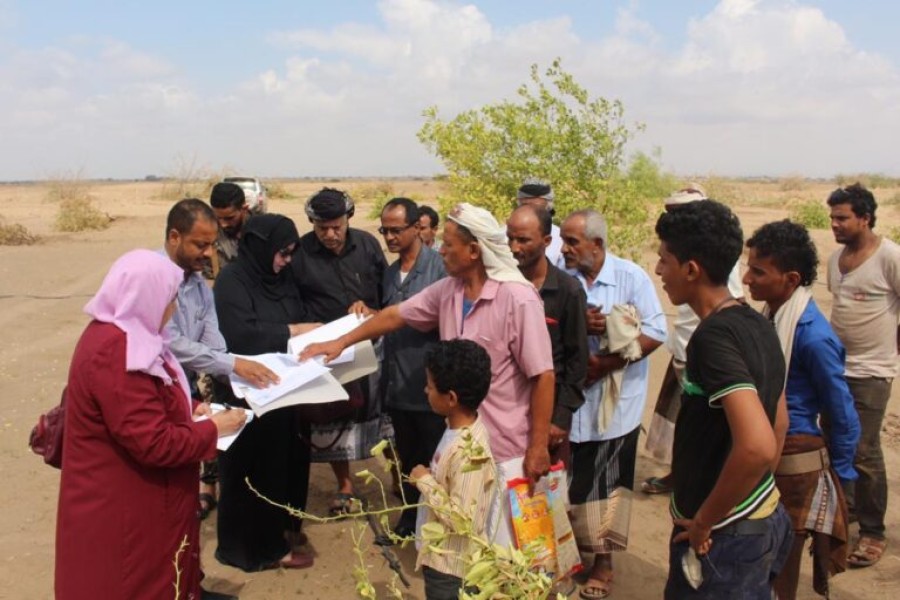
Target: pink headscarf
(133,297)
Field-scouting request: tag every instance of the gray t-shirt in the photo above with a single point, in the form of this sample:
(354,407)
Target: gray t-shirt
(866,311)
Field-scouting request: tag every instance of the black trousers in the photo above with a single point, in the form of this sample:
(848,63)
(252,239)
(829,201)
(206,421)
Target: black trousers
(417,435)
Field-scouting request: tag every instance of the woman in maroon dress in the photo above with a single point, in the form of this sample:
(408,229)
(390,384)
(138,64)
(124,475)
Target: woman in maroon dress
(131,452)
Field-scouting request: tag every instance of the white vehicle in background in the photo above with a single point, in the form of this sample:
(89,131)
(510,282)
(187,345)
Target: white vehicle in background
(254,191)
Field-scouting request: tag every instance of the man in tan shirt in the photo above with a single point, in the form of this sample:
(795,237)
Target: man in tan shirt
(864,277)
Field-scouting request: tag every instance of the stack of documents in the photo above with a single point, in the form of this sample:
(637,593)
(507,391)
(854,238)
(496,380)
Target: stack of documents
(309,382)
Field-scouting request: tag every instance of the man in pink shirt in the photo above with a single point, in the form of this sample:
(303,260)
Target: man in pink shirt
(487,300)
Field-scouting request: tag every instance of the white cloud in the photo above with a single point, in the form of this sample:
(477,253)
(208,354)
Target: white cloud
(755,86)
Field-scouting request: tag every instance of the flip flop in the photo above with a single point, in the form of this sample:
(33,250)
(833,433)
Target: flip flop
(343,504)
(656,485)
(208,507)
(867,552)
(595,589)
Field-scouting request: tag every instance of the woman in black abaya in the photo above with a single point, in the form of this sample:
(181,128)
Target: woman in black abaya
(259,309)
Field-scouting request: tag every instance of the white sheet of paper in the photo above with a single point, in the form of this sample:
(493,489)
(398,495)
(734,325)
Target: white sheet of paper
(324,388)
(225,442)
(326,333)
(293,374)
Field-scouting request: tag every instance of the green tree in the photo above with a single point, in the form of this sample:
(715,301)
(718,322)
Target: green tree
(557,132)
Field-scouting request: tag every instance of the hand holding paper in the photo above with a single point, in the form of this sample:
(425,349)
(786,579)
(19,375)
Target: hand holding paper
(334,352)
(329,351)
(256,373)
(228,422)
(292,374)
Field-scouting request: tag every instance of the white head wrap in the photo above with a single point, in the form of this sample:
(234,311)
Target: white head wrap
(498,260)
(692,193)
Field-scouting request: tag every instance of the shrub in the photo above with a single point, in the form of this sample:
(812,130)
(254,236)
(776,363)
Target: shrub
(557,132)
(378,195)
(66,187)
(277,191)
(80,214)
(812,214)
(650,181)
(15,234)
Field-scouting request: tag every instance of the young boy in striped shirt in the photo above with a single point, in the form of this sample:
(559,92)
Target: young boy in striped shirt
(462,478)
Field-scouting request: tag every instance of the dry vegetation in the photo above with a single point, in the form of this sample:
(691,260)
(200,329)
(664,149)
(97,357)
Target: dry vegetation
(16,234)
(276,190)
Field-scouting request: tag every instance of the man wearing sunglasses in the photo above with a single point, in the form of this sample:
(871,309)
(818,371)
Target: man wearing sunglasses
(417,429)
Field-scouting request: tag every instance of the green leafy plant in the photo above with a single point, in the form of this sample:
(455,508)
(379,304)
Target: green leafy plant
(493,571)
(557,132)
(811,214)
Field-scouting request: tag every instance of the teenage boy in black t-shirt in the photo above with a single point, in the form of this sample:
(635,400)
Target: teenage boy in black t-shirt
(731,426)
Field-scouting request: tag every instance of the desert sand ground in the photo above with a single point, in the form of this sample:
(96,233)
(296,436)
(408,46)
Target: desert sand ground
(44,286)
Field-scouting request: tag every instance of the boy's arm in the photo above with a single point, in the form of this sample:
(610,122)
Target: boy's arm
(753,451)
(465,490)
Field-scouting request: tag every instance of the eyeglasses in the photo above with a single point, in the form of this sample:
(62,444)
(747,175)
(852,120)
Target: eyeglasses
(286,252)
(394,230)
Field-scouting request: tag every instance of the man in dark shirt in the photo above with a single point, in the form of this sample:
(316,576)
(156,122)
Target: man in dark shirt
(733,419)
(232,212)
(417,428)
(335,264)
(334,267)
(528,230)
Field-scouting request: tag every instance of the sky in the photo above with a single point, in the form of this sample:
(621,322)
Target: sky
(129,88)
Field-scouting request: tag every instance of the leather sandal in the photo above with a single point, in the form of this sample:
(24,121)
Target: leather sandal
(343,504)
(867,552)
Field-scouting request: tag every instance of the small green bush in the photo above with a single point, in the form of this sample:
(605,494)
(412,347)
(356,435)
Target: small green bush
(812,214)
(15,234)
(376,194)
(80,214)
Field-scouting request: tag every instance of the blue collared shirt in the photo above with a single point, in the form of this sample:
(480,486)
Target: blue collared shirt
(816,385)
(196,340)
(619,282)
